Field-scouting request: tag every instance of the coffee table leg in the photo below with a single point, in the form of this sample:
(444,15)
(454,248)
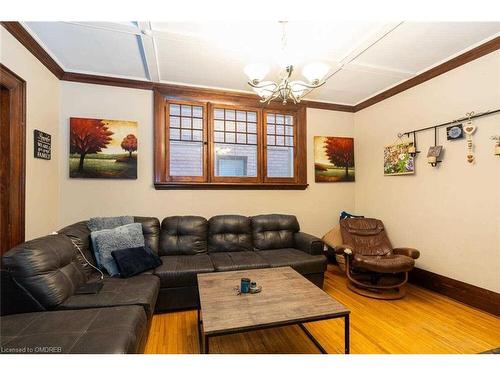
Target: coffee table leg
(346,334)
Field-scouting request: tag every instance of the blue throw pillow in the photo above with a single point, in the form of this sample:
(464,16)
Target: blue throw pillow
(108,240)
(347,215)
(100,223)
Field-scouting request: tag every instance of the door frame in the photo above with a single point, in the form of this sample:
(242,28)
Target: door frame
(15,231)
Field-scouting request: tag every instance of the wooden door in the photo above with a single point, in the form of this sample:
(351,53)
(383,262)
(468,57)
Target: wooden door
(12,158)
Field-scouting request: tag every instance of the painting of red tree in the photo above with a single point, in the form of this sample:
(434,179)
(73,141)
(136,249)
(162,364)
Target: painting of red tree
(334,159)
(96,148)
(129,144)
(88,136)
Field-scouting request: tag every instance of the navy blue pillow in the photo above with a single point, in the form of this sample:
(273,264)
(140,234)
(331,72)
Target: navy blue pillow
(135,260)
(347,215)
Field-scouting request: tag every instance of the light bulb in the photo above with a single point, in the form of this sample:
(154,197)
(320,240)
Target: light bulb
(315,72)
(256,71)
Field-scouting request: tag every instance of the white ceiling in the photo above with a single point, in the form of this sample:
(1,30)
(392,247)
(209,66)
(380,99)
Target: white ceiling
(365,58)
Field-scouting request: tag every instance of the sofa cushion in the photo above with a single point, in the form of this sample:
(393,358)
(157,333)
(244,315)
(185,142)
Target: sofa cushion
(150,230)
(297,259)
(274,231)
(239,260)
(79,233)
(183,235)
(46,268)
(229,233)
(384,264)
(181,270)
(108,240)
(140,290)
(100,223)
(97,331)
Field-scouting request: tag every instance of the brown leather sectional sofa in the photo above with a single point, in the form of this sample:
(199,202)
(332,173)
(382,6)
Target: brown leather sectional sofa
(41,312)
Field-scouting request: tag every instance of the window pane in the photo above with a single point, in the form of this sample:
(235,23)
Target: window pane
(241,116)
(231,137)
(230,126)
(198,112)
(175,134)
(186,110)
(280,129)
(252,139)
(175,122)
(230,114)
(289,120)
(241,138)
(270,139)
(280,119)
(186,122)
(186,158)
(197,135)
(289,141)
(252,116)
(251,128)
(280,162)
(186,135)
(270,129)
(270,119)
(288,130)
(241,127)
(280,140)
(219,125)
(235,160)
(219,114)
(197,123)
(219,137)
(175,109)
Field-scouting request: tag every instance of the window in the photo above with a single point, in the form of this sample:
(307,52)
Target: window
(238,144)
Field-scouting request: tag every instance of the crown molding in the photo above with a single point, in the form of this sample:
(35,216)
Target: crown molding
(24,37)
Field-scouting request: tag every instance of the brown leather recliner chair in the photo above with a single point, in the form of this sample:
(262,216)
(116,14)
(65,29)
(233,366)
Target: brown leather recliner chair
(373,267)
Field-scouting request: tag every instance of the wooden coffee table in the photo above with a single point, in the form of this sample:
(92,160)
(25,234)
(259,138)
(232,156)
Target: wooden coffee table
(287,298)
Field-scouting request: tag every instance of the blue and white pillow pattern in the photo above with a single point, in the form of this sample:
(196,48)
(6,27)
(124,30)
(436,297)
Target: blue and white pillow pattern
(119,237)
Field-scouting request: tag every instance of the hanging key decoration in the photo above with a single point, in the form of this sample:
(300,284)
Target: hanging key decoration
(469,129)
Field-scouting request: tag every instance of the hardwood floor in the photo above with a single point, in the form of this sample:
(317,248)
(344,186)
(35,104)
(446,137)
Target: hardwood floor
(422,322)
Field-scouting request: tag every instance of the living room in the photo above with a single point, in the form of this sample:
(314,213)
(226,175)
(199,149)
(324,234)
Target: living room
(284,185)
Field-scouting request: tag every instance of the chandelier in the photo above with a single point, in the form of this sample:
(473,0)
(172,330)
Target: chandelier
(285,90)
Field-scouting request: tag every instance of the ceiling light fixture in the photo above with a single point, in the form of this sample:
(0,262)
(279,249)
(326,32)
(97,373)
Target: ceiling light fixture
(286,90)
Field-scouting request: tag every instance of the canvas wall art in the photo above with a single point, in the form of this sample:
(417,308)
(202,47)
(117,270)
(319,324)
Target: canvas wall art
(397,160)
(102,148)
(333,159)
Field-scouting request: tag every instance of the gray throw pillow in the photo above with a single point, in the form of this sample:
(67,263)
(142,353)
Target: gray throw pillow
(100,223)
(108,240)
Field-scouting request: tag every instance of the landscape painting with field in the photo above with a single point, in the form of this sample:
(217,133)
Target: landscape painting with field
(333,159)
(102,148)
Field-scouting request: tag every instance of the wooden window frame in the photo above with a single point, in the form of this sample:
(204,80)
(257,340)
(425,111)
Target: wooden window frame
(210,99)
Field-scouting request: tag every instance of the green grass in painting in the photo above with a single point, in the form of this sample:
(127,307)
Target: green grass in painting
(104,166)
(330,174)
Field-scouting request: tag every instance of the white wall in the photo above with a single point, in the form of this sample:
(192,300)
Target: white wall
(450,213)
(42,113)
(317,207)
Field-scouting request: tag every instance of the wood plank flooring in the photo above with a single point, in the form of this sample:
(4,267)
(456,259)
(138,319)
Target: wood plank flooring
(423,322)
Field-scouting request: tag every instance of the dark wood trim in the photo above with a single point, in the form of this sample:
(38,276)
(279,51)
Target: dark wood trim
(24,37)
(328,106)
(455,62)
(107,81)
(474,296)
(14,163)
(227,186)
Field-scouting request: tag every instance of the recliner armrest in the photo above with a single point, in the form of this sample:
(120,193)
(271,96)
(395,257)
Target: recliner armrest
(308,243)
(408,251)
(343,250)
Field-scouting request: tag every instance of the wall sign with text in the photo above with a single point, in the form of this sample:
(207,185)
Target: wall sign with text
(42,144)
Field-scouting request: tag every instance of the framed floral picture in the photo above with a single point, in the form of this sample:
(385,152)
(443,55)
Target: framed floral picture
(397,160)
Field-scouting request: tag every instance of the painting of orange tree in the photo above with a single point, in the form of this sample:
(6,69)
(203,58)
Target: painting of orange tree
(102,148)
(333,159)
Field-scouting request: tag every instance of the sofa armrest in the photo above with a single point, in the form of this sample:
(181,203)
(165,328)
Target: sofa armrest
(308,243)
(343,250)
(408,251)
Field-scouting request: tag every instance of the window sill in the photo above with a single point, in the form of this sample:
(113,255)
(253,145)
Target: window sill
(228,185)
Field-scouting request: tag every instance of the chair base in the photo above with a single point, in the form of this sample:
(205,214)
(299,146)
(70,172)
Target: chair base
(378,293)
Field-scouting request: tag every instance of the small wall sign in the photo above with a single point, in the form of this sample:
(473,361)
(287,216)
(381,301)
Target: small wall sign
(454,132)
(42,145)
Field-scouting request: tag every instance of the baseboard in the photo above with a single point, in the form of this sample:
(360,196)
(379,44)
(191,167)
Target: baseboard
(474,296)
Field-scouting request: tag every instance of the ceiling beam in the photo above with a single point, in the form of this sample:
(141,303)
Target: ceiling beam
(150,54)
